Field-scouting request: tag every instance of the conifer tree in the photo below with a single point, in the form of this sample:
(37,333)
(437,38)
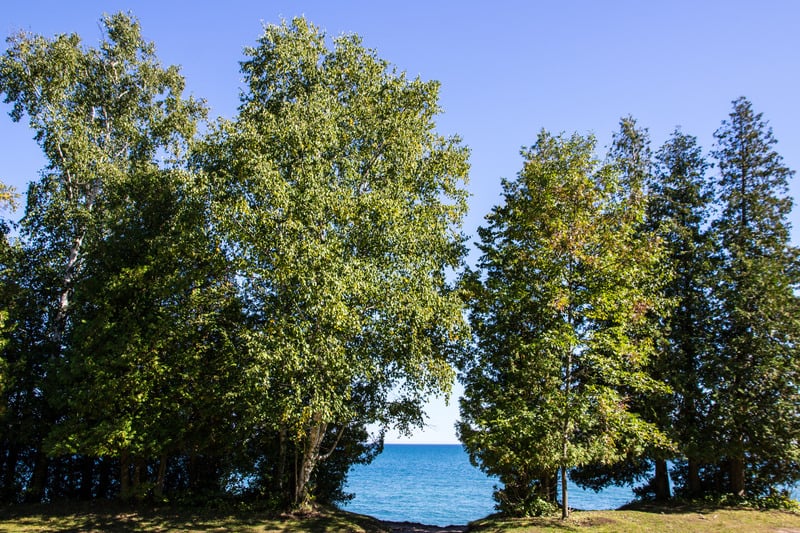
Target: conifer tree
(756,372)
(678,210)
(631,156)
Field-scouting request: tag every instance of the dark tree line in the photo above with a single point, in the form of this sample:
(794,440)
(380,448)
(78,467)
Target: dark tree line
(718,329)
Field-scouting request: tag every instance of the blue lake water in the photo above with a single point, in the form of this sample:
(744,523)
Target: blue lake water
(436,484)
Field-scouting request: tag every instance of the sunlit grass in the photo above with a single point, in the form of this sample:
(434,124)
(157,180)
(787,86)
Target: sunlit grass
(685,519)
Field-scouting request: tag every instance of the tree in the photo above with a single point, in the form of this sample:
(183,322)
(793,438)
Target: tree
(756,372)
(7,201)
(679,211)
(104,117)
(631,156)
(565,285)
(340,205)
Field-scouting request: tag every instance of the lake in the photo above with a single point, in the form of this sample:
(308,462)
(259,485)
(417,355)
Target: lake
(436,484)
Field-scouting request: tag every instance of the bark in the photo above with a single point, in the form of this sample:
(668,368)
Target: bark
(87,478)
(139,473)
(309,459)
(74,257)
(548,487)
(736,473)
(565,430)
(158,490)
(694,485)
(282,458)
(662,481)
(719,476)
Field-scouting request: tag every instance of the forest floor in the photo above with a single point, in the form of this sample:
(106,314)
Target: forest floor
(110,517)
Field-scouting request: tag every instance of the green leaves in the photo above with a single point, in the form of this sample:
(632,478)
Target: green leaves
(567,283)
(341,206)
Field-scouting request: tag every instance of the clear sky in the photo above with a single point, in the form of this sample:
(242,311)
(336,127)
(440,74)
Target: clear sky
(507,68)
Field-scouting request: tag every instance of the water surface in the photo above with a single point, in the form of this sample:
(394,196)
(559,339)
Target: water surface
(436,484)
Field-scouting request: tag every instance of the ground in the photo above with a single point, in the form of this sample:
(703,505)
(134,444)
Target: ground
(114,517)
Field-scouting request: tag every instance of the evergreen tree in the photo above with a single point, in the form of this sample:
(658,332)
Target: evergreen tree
(631,156)
(679,211)
(754,377)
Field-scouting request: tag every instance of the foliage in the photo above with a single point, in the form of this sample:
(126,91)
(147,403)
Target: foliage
(220,320)
(339,205)
(753,376)
(114,129)
(558,316)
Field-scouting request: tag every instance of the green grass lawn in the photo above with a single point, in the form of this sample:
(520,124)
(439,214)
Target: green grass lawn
(112,517)
(705,520)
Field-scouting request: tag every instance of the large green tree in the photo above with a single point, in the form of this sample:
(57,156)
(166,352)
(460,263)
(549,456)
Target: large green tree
(679,212)
(755,376)
(105,117)
(340,205)
(631,156)
(565,284)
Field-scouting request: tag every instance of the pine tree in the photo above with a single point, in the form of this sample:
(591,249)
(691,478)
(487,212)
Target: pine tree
(756,371)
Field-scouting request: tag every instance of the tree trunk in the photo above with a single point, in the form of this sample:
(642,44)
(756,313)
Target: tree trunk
(282,458)
(694,485)
(719,476)
(564,498)
(124,475)
(736,473)
(87,478)
(139,477)
(662,481)
(309,460)
(548,487)
(35,492)
(158,490)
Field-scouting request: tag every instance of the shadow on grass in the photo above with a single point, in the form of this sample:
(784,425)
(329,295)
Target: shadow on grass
(681,507)
(116,517)
(578,521)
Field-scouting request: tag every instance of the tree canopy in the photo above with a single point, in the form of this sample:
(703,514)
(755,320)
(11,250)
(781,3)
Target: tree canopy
(239,305)
(564,286)
(339,205)
(242,309)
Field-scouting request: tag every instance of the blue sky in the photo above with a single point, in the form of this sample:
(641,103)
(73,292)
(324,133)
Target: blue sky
(507,68)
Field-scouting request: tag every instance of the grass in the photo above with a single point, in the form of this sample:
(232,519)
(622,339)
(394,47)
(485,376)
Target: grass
(645,518)
(113,517)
